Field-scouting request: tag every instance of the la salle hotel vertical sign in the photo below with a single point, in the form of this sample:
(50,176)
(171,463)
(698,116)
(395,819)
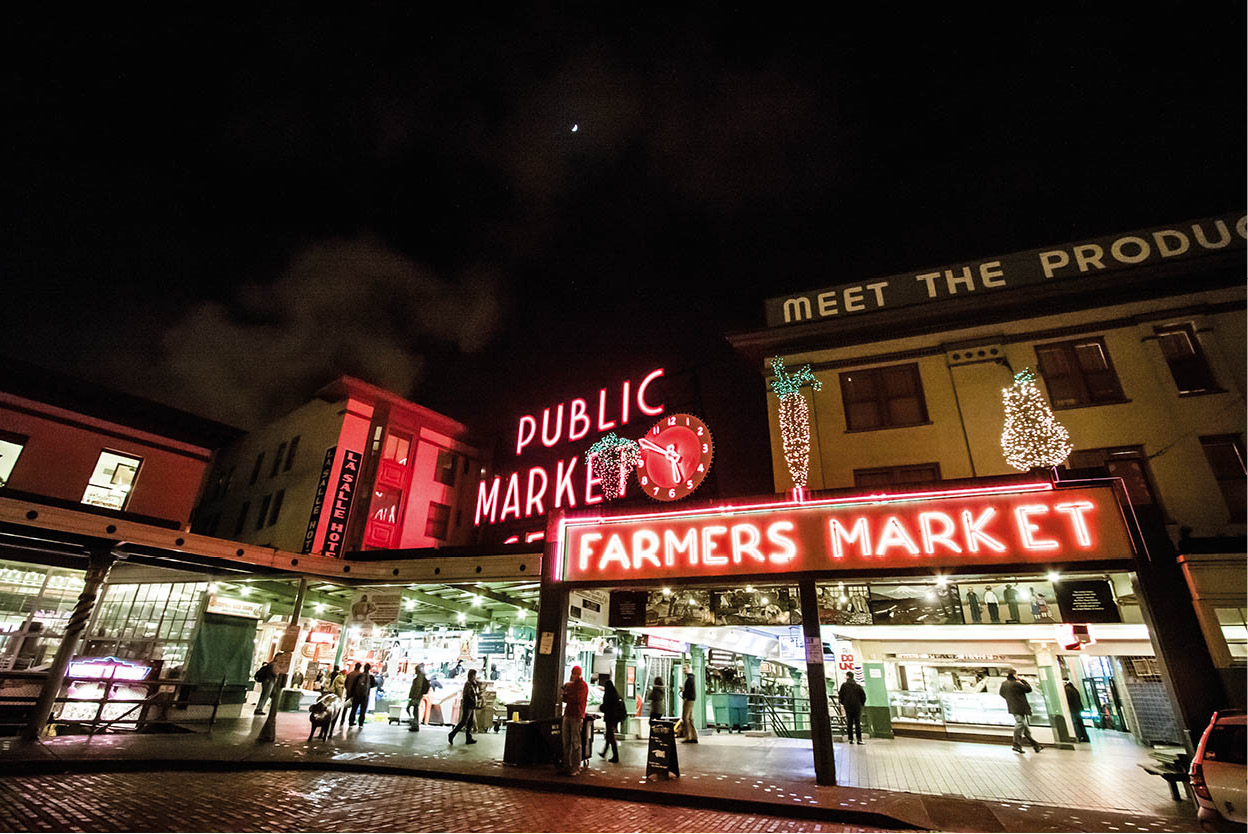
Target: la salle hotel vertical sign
(340,506)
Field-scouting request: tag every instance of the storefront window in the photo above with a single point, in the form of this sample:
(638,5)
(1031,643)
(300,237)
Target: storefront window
(153,621)
(112,480)
(35,604)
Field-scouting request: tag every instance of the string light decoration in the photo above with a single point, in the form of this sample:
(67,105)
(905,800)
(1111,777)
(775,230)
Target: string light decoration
(612,458)
(1032,437)
(794,417)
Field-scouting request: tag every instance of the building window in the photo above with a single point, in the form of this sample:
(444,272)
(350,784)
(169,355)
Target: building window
(386,502)
(112,480)
(1078,373)
(255,472)
(1225,453)
(290,453)
(1126,462)
(264,510)
(242,518)
(435,524)
(11,446)
(397,448)
(1187,361)
(1231,621)
(445,472)
(918,473)
(878,398)
(277,506)
(277,460)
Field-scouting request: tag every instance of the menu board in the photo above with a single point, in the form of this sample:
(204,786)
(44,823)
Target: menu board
(661,759)
(1086,601)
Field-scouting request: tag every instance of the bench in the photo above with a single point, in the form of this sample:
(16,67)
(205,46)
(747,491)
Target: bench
(1173,767)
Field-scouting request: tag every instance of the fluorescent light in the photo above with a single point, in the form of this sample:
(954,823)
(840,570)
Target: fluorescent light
(1053,576)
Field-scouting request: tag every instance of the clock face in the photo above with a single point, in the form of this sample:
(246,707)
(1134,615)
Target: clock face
(675,457)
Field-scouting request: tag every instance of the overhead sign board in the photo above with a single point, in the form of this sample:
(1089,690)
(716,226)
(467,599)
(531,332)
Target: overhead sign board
(955,528)
(1083,259)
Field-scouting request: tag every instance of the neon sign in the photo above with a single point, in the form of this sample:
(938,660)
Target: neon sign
(536,490)
(1026,523)
(667,644)
(109,668)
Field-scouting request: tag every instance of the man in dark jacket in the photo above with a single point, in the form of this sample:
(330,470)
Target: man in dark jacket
(1014,691)
(852,697)
(467,709)
(359,690)
(1076,711)
(420,688)
(265,676)
(688,697)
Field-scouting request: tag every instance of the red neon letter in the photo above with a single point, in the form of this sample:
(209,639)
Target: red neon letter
(642,405)
(686,544)
(895,535)
(578,416)
(745,538)
(587,549)
(624,403)
(590,483)
(1075,510)
(535,498)
(709,556)
(563,483)
(487,503)
(645,548)
(1028,528)
(551,441)
(522,439)
(511,502)
(614,552)
(931,538)
(858,534)
(776,535)
(974,532)
(603,423)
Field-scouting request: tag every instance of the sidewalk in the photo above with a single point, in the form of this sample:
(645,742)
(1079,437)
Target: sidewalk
(728,773)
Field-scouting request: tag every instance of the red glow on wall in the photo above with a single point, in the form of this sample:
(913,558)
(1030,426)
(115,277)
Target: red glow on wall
(975,526)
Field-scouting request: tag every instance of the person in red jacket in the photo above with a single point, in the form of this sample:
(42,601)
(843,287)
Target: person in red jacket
(575,697)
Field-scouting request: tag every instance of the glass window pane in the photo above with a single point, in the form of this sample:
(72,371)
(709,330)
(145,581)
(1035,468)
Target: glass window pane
(1091,356)
(904,412)
(863,415)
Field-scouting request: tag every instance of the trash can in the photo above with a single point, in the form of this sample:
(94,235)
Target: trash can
(518,711)
(533,742)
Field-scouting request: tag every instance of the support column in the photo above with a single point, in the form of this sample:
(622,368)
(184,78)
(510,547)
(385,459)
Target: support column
(552,632)
(99,562)
(820,723)
(268,732)
(623,660)
(698,654)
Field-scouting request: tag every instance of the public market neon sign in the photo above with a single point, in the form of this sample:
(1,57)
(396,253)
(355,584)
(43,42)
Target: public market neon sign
(1028,523)
(532,492)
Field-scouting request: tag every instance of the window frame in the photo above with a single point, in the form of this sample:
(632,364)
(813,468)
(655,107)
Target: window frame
(430,521)
(893,471)
(277,459)
(1236,442)
(20,440)
(243,511)
(439,468)
(1080,377)
(265,503)
(1199,359)
(134,479)
(255,472)
(881,398)
(276,509)
(290,452)
(1131,452)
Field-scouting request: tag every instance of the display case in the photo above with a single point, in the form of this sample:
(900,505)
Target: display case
(988,708)
(916,707)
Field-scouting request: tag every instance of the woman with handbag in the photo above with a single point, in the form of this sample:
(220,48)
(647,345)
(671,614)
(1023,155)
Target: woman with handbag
(613,711)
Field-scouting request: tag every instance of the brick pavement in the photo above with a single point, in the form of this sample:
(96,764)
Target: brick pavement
(338,802)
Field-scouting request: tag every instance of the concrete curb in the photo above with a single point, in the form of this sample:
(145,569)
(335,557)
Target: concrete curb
(854,816)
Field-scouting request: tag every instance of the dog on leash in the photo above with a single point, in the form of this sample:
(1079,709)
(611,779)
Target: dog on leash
(323,715)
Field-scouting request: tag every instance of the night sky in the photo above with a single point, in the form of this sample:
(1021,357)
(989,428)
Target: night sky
(224,214)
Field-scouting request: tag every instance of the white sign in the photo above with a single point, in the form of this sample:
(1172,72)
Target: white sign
(374,607)
(236,607)
(547,643)
(814,650)
(847,661)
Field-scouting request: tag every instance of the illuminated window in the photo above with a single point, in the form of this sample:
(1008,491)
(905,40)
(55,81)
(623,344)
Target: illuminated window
(435,524)
(1078,373)
(1235,631)
(879,398)
(1225,453)
(1126,462)
(290,453)
(112,480)
(897,475)
(1187,361)
(398,446)
(277,460)
(445,471)
(264,511)
(386,505)
(11,446)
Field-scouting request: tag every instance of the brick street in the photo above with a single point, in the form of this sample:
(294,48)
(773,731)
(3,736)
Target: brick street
(338,802)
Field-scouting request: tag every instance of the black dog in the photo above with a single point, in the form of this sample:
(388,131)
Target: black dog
(323,714)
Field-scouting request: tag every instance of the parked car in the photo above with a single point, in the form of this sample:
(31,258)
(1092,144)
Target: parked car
(1218,773)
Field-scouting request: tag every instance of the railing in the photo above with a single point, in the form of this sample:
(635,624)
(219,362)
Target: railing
(788,716)
(20,690)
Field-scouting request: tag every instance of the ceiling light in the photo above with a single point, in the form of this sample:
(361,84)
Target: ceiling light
(766,601)
(942,581)
(749,589)
(476,601)
(462,617)
(1053,576)
(667,592)
(213,587)
(409,604)
(320,606)
(245,590)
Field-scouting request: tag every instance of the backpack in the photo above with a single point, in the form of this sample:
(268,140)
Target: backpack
(263,673)
(362,685)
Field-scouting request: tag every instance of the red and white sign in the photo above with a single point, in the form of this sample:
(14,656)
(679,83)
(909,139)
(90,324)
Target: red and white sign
(667,644)
(1018,524)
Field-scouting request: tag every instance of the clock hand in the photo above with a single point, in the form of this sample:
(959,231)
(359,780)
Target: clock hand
(676,471)
(654,447)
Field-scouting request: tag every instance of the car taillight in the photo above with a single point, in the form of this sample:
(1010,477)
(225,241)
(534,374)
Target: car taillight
(1198,782)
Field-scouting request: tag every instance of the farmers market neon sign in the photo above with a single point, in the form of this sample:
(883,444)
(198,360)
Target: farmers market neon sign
(1029,523)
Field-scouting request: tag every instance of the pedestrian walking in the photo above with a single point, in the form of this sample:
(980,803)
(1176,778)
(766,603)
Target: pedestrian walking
(658,698)
(1075,702)
(575,698)
(420,687)
(613,712)
(265,676)
(689,698)
(990,599)
(853,698)
(467,709)
(1014,690)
